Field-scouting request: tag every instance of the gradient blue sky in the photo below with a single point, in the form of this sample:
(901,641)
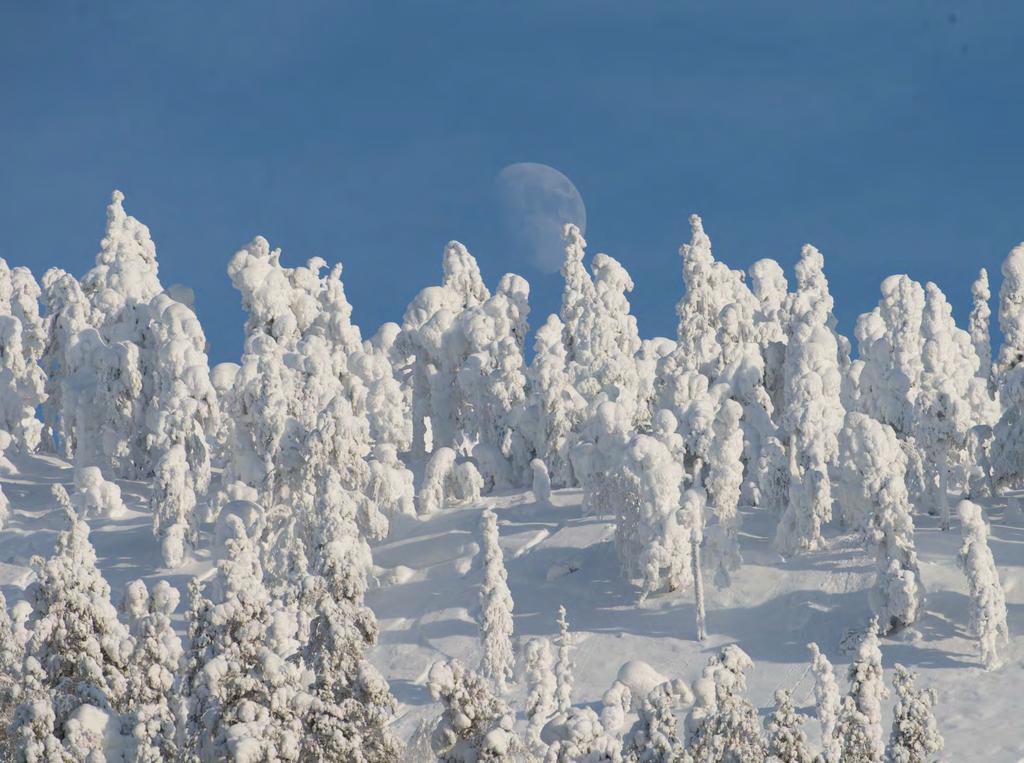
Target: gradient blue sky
(891,135)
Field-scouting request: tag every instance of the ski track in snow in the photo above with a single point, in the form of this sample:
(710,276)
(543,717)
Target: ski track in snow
(427,586)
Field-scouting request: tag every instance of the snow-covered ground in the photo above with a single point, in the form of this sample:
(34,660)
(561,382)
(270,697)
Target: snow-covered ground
(427,577)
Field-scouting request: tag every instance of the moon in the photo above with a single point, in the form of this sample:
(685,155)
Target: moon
(536,202)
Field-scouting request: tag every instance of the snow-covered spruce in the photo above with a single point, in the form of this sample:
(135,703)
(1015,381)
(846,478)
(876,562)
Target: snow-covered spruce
(723,724)
(786,740)
(656,734)
(241,691)
(541,685)
(498,663)
(652,543)
(153,669)
(565,669)
(725,476)
(827,702)
(475,725)
(78,653)
(862,728)
(813,411)
(915,736)
(173,506)
(978,325)
(988,611)
(873,485)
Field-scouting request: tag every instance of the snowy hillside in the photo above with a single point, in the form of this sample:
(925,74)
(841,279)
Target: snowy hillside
(755,541)
(425,598)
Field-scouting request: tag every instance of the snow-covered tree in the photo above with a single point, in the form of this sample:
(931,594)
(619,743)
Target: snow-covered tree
(856,735)
(498,663)
(152,670)
(915,736)
(656,734)
(79,645)
(437,487)
(564,667)
(944,412)
(710,287)
(813,417)
(556,408)
(125,273)
(20,297)
(22,385)
(981,314)
(651,542)
(616,340)
(867,691)
(597,460)
(725,476)
(886,374)
(173,506)
(11,680)
(1011,314)
(692,511)
(1007,456)
(67,312)
(786,740)
(723,724)
(615,706)
(827,702)
(873,486)
(241,692)
(95,496)
(579,735)
(351,704)
(183,410)
(33,733)
(577,313)
(988,611)
(540,698)
(432,339)
(541,481)
(768,284)
(476,726)
(390,483)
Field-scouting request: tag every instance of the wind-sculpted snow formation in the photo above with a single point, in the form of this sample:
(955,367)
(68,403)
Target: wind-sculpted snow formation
(269,482)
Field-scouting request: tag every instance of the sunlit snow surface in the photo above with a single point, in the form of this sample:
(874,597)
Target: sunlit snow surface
(426,597)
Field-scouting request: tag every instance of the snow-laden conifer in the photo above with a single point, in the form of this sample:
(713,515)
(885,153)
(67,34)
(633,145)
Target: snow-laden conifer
(723,724)
(652,543)
(540,698)
(944,411)
(915,736)
(556,407)
(475,725)
(565,669)
(79,644)
(867,691)
(725,476)
(656,736)
(979,329)
(173,504)
(873,485)
(153,669)
(786,740)
(498,663)
(241,692)
(827,702)
(813,417)
(988,611)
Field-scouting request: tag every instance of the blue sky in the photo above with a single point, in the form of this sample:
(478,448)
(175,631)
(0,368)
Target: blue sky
(371,133)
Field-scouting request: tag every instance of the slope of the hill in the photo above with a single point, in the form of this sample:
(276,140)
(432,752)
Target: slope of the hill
(426,583)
